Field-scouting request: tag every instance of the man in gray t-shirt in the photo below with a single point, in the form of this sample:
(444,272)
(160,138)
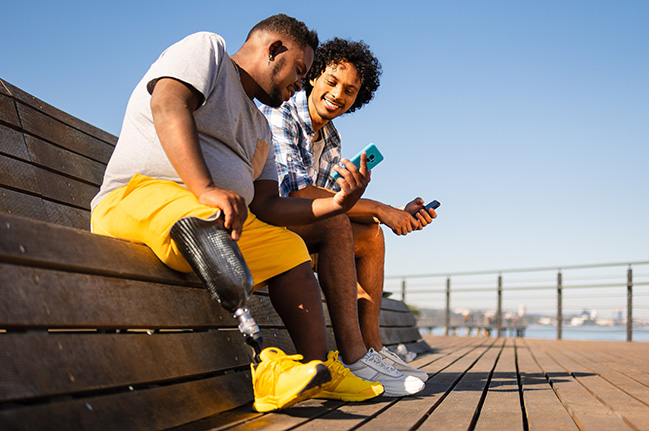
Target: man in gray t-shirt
(194,146)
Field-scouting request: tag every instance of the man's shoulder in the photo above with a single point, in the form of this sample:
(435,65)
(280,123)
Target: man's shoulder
(204,37)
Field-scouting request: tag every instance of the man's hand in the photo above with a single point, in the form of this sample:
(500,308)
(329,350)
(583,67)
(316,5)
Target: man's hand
(231,204)
(418,210)
(403,221)
(353,183)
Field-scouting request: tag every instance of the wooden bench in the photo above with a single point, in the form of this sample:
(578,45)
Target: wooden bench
(96,333)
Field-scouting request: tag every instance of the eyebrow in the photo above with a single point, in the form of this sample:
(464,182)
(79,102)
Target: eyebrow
(337,79)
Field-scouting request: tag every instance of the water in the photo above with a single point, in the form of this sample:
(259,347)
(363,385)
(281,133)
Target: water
(591,333)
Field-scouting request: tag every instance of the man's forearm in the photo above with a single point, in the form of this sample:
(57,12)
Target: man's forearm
(365,209)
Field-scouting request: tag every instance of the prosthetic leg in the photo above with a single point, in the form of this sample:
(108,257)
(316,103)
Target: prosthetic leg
(217,261)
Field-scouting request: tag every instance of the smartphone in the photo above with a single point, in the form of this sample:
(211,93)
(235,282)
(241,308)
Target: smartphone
(434,205)
(374,157)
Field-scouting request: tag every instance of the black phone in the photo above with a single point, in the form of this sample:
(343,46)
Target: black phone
(434,205)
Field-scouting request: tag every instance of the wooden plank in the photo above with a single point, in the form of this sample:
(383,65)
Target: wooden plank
(446,373)
(12,143)
(64,189)
(458,408)
(45,108)
(44,245)
(391,318)
(140,409)
(631,410)
(64,215)
(65,162)
(8,113)
(61,134)
(543,408)
(392,336)
(319,415)
(18,175)
(41,298)
(631,356)
(20,204)
(38,365)
(224,420)
(394,305)
(633,382)
(502,407)
(585,409)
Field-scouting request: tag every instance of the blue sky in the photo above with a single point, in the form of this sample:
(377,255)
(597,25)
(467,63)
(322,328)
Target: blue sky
(528,120)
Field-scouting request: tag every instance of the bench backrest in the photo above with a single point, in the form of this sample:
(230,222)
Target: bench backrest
(51,164)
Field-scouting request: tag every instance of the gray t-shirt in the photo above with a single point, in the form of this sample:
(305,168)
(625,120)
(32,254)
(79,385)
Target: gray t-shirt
(233,133)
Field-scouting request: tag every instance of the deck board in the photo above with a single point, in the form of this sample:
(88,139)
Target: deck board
(482,384)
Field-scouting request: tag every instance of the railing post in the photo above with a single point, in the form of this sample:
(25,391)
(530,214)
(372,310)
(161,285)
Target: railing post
(629,304)
(403,290)
(559,305)
(499,313)
(447,317)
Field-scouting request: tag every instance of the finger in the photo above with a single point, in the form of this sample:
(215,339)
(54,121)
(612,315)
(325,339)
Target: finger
(425,216)
(432,213)
(346,171)
(363,167)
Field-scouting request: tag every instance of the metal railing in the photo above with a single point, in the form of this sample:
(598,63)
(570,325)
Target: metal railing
(587,282)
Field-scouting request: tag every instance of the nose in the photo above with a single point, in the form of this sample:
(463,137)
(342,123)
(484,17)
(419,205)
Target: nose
(298,84)
(336,91)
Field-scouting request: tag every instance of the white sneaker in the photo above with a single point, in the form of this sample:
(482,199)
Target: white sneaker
(391,358)
(396,384)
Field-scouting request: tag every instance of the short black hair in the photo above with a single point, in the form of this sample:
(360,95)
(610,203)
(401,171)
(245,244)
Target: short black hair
(335,51)
(288,26)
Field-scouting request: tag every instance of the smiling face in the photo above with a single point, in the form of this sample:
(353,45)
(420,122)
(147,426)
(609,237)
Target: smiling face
(333,93)
(289,68)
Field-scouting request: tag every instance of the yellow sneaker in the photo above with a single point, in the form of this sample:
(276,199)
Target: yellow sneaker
(280,380)
(344,385)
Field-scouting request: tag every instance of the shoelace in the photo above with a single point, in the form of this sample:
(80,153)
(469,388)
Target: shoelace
(278,364)
(391,355)
(338,366)
(376,358)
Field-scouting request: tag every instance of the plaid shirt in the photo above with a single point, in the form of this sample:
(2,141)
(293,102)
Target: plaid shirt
(293,136)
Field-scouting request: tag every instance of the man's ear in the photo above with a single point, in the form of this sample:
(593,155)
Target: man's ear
(276,48)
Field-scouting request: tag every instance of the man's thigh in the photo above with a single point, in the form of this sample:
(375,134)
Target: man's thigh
(145,209)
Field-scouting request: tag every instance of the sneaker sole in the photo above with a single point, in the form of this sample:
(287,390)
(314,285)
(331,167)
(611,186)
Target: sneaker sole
(401,394)
(345,397)
(270,403)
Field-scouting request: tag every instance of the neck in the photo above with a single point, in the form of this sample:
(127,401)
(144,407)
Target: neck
(250,86)
(316,121)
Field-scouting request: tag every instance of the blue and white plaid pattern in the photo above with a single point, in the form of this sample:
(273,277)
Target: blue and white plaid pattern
(293,136)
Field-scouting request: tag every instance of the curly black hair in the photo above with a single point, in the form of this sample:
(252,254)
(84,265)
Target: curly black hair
(289,26)
(335,51)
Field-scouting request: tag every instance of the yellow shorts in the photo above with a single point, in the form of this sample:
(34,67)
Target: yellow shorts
(144,210)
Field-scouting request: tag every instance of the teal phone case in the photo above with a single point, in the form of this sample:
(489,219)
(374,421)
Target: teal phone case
(374,157)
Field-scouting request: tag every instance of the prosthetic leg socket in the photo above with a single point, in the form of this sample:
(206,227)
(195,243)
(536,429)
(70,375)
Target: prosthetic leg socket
(218,263)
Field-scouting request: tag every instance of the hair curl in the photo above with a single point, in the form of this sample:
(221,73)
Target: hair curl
(336,51)
(288,26)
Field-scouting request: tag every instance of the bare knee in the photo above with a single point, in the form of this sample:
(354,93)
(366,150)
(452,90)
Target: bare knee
(368,238)
(335,230)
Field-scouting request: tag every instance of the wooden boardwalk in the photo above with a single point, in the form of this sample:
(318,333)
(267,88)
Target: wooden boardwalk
(490,384)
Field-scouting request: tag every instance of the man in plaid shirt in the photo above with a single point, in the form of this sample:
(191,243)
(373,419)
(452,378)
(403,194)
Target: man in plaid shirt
(351,249)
